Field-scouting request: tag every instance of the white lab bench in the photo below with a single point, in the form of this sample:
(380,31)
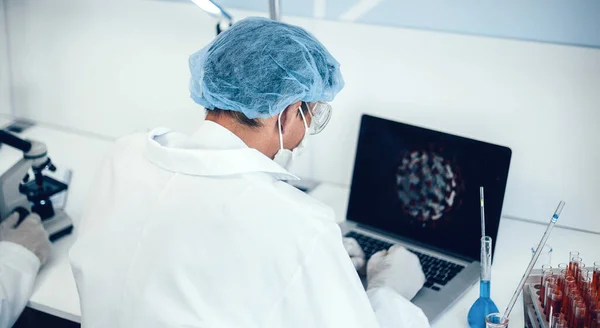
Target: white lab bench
(55,292)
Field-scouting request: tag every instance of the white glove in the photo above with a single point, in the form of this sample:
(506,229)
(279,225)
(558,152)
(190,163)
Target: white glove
(398,269)
(356,253)
(29,234)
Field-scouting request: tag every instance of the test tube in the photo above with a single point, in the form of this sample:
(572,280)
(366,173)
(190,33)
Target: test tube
(572,255)
(545,275)
(563,266)
(556,302)
(554,319)
(597,276)
(549,284)
(545,268)
(563,271)
(561,324)
(569,287)
(579,314)
(584,279)
(579,265)
(573,301)
(574,265)
(568,280)
(561,279)
(550,288)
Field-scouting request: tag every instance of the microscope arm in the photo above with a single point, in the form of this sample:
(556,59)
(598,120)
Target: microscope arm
(14,141)
(32,150)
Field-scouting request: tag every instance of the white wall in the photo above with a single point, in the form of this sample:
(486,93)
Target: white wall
(542,100)
(4,74)
(110,67)
(113,67)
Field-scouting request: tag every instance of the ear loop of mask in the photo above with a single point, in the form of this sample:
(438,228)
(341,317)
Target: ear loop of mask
(309,113)
(304,120)
(281,131)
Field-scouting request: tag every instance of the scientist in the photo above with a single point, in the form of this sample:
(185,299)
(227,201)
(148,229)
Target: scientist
(200,231)
(23,250)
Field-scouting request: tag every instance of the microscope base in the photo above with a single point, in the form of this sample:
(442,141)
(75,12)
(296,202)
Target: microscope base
(58,226)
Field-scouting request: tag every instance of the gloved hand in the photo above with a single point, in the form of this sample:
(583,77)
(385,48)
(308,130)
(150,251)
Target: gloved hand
(356,253)
(398,269)
(29,234)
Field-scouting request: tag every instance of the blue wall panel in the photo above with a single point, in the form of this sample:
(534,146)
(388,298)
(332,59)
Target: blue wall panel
(572,22)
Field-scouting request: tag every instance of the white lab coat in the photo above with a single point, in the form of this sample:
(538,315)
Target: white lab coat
(199,231)
(18,270)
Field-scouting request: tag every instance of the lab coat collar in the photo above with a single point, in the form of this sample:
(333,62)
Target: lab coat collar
(211,151)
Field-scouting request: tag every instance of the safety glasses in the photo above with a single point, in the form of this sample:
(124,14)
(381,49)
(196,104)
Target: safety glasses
(320,114)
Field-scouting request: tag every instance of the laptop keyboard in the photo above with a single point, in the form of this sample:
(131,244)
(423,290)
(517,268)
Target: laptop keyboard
(437,271)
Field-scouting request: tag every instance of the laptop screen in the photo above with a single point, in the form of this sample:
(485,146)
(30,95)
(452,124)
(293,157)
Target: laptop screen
(423,185)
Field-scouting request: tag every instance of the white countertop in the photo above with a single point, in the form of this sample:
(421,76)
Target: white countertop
(513,252)
(55,291)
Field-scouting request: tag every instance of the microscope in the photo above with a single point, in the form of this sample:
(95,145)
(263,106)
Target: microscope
(18,192)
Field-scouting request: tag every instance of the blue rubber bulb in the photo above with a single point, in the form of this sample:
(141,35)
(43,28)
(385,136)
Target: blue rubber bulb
(482,306)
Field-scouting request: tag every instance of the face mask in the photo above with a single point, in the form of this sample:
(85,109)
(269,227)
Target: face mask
(284,157)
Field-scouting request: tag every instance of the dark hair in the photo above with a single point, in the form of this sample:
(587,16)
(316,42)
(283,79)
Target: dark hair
(249,122)
(239,117)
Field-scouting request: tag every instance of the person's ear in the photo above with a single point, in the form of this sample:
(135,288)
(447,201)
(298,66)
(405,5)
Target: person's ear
(288,116)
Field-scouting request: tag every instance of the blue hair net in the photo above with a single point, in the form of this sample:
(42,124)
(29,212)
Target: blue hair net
(259,67)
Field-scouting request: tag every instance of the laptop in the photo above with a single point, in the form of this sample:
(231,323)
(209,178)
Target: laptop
(420,188)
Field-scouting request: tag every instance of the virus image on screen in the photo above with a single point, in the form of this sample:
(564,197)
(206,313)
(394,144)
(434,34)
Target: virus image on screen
(428,187)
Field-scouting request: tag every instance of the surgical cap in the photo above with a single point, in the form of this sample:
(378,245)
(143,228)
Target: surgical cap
(260,66)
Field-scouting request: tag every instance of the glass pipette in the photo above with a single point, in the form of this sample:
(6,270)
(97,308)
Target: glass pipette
(534,259)
(482,209)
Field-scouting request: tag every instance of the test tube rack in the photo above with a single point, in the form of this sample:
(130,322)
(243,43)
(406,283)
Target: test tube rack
(532,307)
